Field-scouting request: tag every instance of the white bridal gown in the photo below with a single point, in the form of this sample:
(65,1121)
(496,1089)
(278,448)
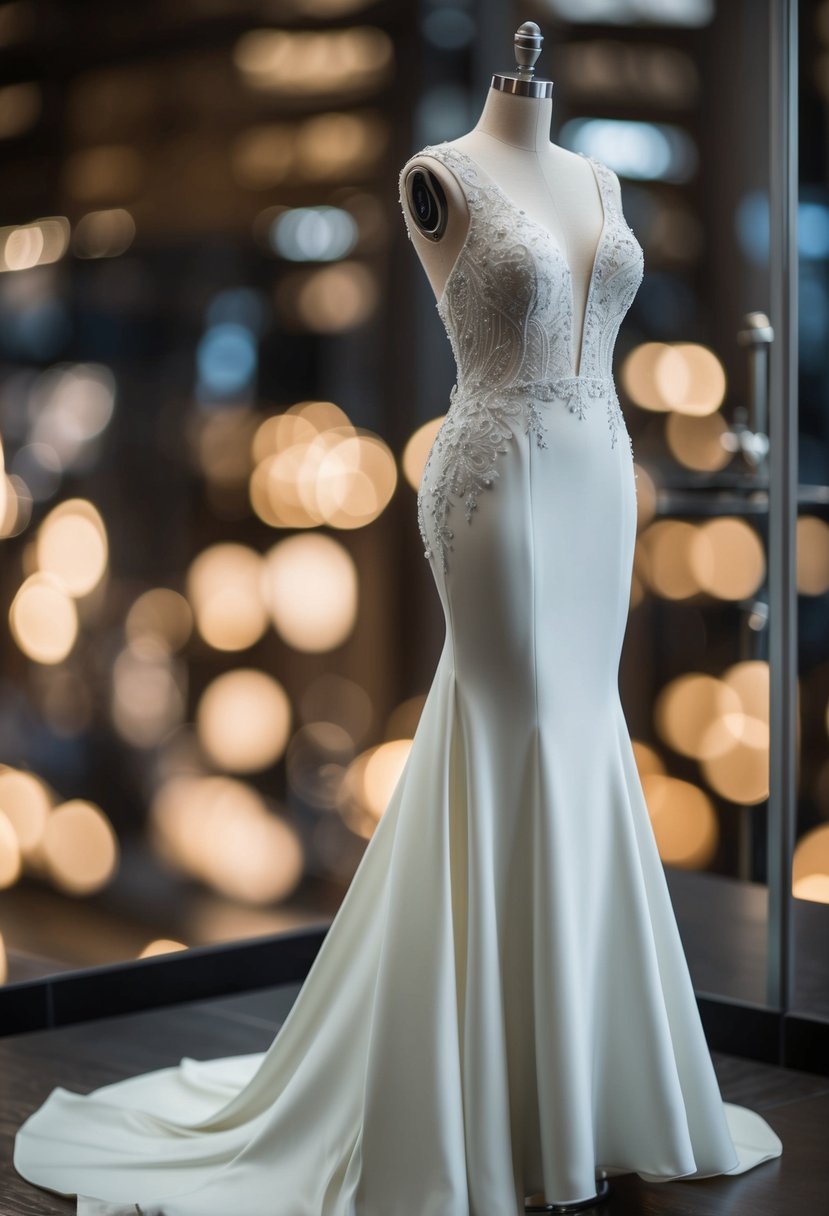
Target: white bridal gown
(502,1006)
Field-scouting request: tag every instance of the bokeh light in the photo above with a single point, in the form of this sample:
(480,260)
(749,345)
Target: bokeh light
(812,555)
(681,376)
(310,587)
(369,783)
(79,847)
(72,546)
(224,590)
(417,450)
(810,865)
(219,830)
(43,619)
(244,720)
(25,801)
(10,863)
(684,821)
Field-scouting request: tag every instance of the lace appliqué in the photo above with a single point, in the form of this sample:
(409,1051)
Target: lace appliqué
(474,432)
(507,306)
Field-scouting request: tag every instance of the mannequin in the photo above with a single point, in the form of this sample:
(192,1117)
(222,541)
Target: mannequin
(510,142)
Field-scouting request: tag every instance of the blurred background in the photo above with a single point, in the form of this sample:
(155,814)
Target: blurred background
(221,369)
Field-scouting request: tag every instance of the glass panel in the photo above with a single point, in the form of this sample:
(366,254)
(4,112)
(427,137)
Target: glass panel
(811,857)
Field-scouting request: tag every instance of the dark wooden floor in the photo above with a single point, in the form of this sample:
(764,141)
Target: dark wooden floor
(90,1054)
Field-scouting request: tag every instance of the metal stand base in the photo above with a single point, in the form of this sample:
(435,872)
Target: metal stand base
(601,1194)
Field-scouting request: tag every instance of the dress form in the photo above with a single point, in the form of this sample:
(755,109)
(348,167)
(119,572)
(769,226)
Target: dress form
(555,187)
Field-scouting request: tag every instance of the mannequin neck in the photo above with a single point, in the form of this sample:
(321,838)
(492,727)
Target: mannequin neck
(521,121)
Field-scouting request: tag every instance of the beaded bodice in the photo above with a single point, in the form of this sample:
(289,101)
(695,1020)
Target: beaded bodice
(507,307)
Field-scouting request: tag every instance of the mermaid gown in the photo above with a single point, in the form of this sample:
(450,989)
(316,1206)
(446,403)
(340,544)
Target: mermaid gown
(501,1006)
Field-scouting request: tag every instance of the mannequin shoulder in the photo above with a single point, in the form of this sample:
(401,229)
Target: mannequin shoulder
(431,159)
(430,207)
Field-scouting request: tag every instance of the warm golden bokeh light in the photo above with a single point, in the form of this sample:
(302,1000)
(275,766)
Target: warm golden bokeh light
(43,619)
(686,710)
(26,802)
(220,830)
(37,244)
(648,760)
(665,558)
(682,376)
(369,783)
(690,379)
(224,590)
(10,861)
(728,558)
(355,479)
(244,720)
(741,774)
(339,144)
(80,848)
(161,945)
(684,821)
(72,545)
(750,680)
(328,299)
(162,615)
(275,491)
(382,773)
(18,506)
(812,555)
(810,865)
(638,376)
(314,62)
(329,147)
(417,450)
(724,724)
(313,471)
(696,442)
(310,587)
(297,425)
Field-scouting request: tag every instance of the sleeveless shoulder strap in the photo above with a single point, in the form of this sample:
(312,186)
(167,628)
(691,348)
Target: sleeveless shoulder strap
(612,193)
(608,183)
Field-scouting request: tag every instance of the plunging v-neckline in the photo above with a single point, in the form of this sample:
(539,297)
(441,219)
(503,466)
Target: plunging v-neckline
(510,202)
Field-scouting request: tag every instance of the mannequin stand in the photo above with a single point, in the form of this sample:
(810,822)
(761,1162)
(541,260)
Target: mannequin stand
(601,1194)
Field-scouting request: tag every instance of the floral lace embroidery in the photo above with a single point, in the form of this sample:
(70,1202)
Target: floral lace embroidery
(507,306)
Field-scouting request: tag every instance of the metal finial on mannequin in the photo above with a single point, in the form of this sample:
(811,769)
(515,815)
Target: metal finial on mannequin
(528,40)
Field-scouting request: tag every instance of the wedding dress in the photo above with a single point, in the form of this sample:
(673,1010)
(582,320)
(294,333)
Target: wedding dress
(502,1006)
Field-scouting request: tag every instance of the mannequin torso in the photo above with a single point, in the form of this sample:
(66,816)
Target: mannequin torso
(555,187)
